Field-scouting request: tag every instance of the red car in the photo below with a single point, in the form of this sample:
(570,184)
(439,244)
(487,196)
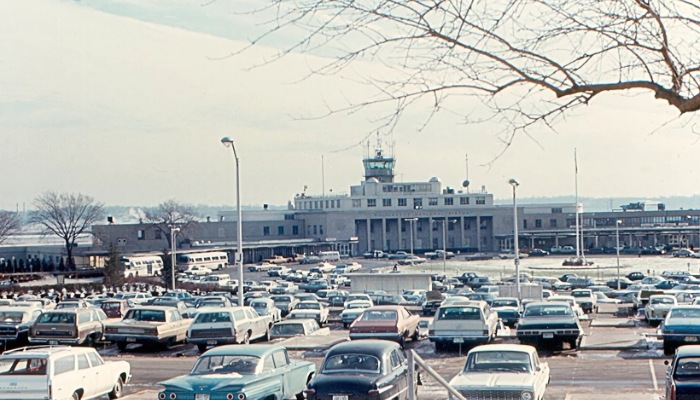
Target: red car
(393,323)
(115,308)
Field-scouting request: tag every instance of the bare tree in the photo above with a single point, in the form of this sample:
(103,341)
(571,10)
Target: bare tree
(171,213)
(66,216)
(10,223)
(529,62)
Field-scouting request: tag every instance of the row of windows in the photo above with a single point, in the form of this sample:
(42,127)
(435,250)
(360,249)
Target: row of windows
(320,204)
(418,202)
(538,223)
(280,230)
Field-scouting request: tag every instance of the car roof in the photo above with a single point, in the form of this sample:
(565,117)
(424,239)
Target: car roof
(387,308)
(42,351)
(504,347)
(688,350)
(373,347)
(257,350)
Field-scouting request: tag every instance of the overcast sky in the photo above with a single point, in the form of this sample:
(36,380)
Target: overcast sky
(127,100)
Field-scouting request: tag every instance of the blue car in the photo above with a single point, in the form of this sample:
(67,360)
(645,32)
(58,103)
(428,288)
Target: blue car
(683,376)
(681,326)
(252,372)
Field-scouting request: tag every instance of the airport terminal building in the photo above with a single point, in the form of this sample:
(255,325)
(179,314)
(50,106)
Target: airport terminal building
(381,214)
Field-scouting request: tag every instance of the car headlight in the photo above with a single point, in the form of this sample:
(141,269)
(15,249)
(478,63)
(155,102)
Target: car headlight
(526,396)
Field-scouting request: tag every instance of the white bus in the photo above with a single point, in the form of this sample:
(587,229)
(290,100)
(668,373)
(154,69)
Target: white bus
(214,260)
(330,256)
(134,266)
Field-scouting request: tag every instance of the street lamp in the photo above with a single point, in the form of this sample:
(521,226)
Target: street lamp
(173,232)
(617,250)
(411,220)
(514,183)
(444,243)
(228,142)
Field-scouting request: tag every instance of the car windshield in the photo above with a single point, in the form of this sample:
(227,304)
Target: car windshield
(688,367)
(377,315)
(146,315)
(505,303)
(489,361)
(309,306)
(662,300)
(357,305)
(352,362)
(57,318)
(226,364)
(684,313)
(23,366)
(547,310)
(14,317)
(459,313)
(287,330)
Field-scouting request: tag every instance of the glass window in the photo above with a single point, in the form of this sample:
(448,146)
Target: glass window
(280,231)
(402,203)
(464,200)
(280,358)
(449,201)
(417,203)
(269,364)
(552,222)
(395,360)
(371,202)
(63,365)
(95,360)
(386,202)
(226,364)
(433,201)
(481,200)
(352,362)
(83,362)
(538,223)
(266,231)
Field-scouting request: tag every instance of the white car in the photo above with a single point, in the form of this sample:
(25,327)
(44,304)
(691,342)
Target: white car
(196,270)
(498,370)
(310,309)
(657,307)
(60,373)
(572,302)
(352,310)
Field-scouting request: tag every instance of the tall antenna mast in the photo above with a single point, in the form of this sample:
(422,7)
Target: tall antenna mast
(578,250)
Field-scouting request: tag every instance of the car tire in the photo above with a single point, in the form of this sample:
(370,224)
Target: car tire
(246,338)
(117,390)
(75,396)
(345,325)
(268,335)
(402,342)
(202,347)
(168,343)
(121,346)
(668,349)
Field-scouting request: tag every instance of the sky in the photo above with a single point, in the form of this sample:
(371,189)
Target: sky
(127,100)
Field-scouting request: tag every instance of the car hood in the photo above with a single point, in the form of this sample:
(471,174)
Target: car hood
(207,383)
(499,380)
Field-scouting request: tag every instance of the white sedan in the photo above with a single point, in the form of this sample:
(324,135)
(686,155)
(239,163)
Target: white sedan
(500,370)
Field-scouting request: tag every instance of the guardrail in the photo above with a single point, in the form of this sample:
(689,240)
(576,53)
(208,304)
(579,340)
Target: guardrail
(413,360)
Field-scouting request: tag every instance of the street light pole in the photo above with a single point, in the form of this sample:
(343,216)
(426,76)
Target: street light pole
(228,142)
(617,250)
(173,232)
(411,220)
(444,246)
(514,183)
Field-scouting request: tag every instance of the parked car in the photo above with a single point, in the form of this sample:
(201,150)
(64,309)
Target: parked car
(181,306)
(681,326)
(266,306)
(310,309)
(586,300)
(375,369)
(352,310)
(684,253)
(508,310)
(231,325)
(547,322)
(315,285)
(148,325)
(683,374)
(538,253)
(61,373)
(498,371)
(394,323)
(260,371)
(79,326)
(470,322)
(278,270)
(295,327)
(624,283)
(603,298)
(657,307)
(15,323)
(412,259)
(115,308)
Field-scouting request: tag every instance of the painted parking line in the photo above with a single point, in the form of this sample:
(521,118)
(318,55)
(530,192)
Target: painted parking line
(653,376)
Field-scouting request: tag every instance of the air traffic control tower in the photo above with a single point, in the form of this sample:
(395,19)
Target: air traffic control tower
(378,166)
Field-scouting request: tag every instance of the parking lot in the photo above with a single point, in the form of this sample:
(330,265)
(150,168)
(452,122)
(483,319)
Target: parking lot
(620,356)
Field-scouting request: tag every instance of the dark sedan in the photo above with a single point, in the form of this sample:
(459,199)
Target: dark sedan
(683,376)
(624,282)
(367,369)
